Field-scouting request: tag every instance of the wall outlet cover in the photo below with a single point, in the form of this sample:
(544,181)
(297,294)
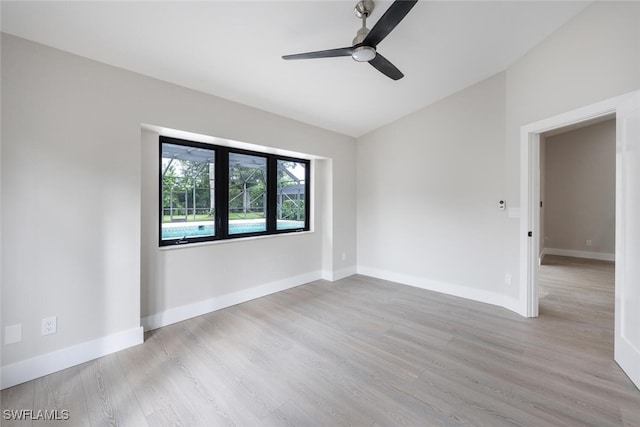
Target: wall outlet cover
(49,325)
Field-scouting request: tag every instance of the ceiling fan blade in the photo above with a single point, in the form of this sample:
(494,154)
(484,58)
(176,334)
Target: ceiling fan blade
(331,53)
(392,17)
(383,65)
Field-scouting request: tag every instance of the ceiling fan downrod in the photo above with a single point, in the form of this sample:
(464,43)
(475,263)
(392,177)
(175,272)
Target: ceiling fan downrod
(363,47)
(363,53)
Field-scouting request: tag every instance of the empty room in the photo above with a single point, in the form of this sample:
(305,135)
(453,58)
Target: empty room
(217,213)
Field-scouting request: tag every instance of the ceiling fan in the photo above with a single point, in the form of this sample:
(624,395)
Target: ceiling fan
(363,48)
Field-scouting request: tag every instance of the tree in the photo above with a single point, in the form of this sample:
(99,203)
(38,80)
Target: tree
(186,187)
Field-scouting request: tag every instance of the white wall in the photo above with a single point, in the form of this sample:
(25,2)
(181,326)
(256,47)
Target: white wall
(72,125)
(580,184)
(445,232)
(596,56)
(428,191)
(78,201)
(183,278)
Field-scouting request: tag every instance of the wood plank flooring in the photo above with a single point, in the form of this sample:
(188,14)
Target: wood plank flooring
(363,352)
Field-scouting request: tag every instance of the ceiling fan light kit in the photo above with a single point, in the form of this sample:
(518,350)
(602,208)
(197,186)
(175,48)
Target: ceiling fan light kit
(363,54)
(363,47)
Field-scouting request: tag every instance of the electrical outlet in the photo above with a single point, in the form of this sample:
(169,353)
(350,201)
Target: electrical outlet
(49,325)
(588,242)
(507,279)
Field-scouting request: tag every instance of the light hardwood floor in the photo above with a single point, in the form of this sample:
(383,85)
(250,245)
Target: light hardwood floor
(364,352)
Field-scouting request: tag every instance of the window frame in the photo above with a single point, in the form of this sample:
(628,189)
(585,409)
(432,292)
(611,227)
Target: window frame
(221,196)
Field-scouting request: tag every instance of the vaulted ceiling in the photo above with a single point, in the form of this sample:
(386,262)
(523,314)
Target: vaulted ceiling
(233,49)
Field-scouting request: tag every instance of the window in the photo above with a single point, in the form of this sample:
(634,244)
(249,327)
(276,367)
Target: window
(292,195)
(211,192)
(247,193)
(188,192)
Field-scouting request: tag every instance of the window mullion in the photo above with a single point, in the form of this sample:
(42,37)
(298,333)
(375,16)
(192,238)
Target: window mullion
(222,193)
(272,188)
(307,195)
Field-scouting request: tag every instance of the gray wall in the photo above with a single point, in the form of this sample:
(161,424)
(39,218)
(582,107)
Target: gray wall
(580,190)
(543,196)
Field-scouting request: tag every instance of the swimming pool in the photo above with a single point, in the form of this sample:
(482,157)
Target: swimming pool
(203,230)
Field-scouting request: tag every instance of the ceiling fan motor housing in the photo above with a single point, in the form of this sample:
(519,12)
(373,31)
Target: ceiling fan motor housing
(363,53)
(360,36)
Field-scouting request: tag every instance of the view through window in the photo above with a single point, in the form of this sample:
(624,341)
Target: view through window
(211,192)
(188,192)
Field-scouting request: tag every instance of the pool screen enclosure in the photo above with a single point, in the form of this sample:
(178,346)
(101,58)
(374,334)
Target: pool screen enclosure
(210,192)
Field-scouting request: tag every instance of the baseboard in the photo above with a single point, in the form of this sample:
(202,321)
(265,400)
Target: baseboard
(627,356)
(513,304)
(579,254)
(178,314)
(36,367)
(478,295)
(345,272)
(332,276)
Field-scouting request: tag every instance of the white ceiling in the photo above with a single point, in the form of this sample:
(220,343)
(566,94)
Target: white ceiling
(233,49)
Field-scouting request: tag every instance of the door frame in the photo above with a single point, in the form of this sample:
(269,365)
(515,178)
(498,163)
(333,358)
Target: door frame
(530,199)
(530,193)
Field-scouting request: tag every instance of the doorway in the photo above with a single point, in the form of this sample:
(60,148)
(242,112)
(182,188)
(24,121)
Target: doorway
(577,191)
(626,110)
(577,294)
(577,228)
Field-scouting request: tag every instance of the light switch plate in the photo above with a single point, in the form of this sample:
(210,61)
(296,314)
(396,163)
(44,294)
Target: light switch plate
(13,334)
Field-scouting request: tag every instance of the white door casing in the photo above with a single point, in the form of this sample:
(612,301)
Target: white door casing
(627,294)
(626,109)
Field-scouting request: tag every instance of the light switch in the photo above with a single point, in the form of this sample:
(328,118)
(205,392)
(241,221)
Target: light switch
(13,334)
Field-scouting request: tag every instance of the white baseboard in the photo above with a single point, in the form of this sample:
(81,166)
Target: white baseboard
(36,367)
(513,304)
(628,358)
(184,312)
(479,295)
(332,276)
(48,363)
(578,254)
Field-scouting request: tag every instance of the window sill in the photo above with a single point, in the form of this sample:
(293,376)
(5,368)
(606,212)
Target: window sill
(234,240)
